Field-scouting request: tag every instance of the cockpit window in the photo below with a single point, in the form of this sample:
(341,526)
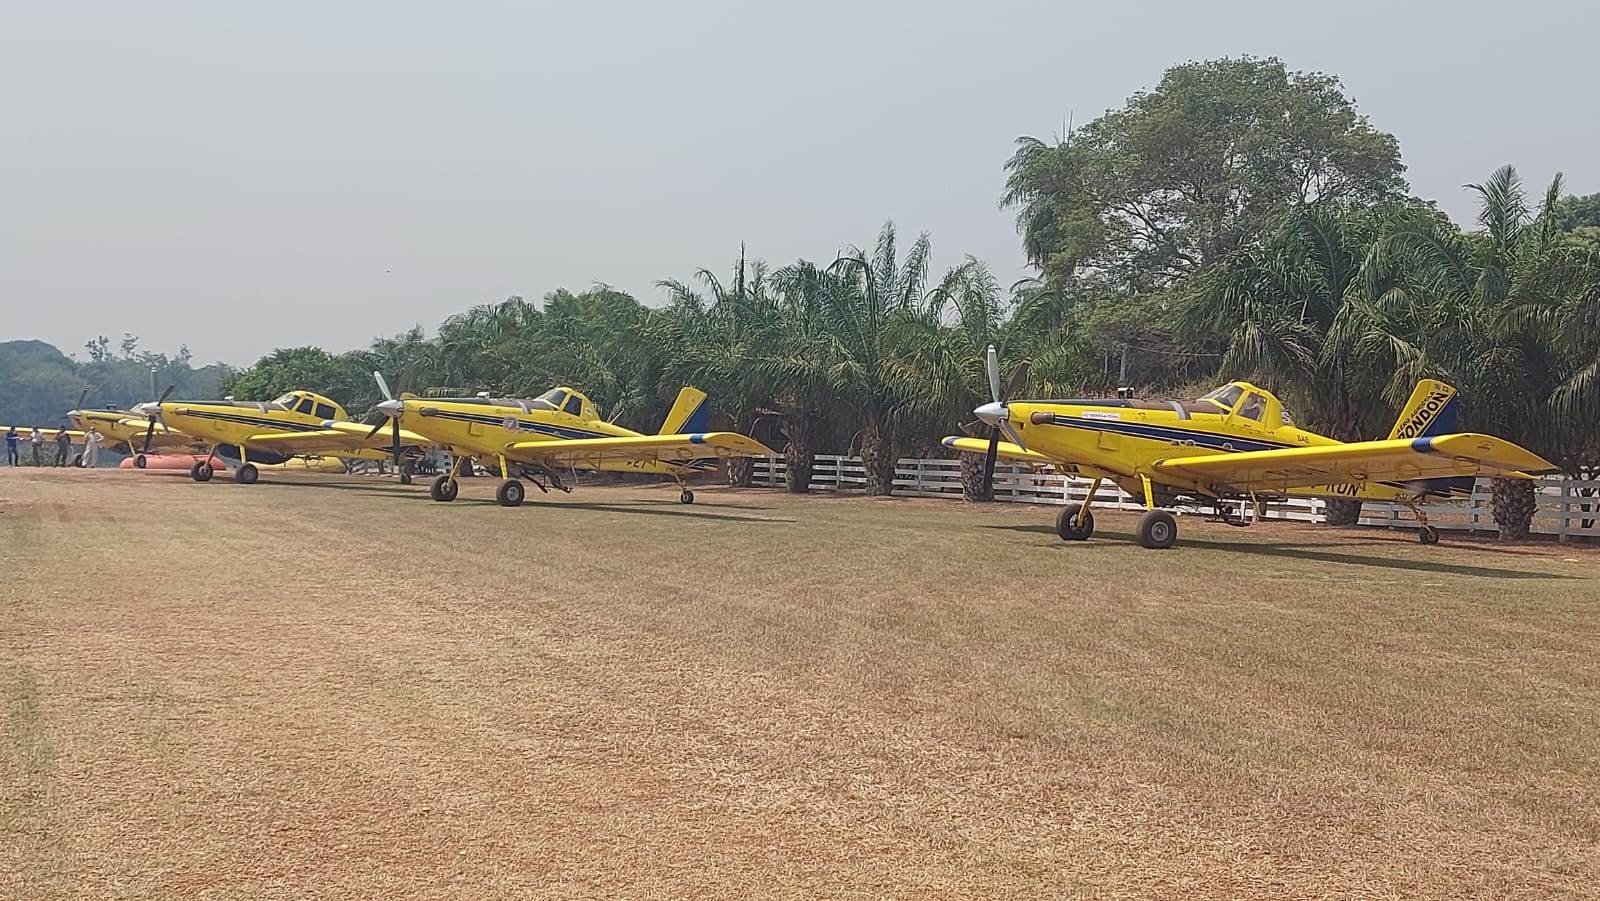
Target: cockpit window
(307,406)
(574,405)
(288,401)
(325,411)
(1227,396)
(1255,407)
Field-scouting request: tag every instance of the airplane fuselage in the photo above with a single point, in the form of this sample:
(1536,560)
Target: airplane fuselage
(1122,439)
(485,429)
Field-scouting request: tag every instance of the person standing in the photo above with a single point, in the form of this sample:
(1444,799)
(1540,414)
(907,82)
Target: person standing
(36,441)
(11,446)
(63,447)
(91,448)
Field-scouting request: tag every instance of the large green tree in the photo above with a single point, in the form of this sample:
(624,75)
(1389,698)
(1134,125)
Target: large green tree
(1202,166)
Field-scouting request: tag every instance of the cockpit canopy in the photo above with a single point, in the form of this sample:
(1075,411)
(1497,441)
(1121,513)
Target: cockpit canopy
(1245,401)
(566,400)
(309,404)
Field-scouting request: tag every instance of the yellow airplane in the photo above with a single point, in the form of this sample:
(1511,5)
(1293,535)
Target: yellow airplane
(1238,442)
(271,433)
(535,439)
(128,432)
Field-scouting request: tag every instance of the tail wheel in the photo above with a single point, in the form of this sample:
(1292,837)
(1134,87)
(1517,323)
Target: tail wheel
(1072,527)
(1428,535)
(510,493)
(140,462)
(444,488)
(1157,530)
(247,474)
(687,497)
(201,471)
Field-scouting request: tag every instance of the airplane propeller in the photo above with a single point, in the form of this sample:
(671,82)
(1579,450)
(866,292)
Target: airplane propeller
(997,415)
(153,411)
(391,409)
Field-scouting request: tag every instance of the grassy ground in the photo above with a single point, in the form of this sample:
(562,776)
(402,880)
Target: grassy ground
(336,688)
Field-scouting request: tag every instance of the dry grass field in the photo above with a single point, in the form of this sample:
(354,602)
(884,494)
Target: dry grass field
(336,688)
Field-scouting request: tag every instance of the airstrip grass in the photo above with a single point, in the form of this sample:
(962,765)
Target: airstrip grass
(334,687)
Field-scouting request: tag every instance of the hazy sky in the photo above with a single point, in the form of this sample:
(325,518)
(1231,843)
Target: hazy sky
(240,176)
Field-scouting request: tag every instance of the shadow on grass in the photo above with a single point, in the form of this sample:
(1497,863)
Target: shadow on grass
(1307,553)
(638,508)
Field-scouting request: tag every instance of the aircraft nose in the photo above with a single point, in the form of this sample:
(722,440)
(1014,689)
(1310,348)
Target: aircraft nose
(392,408)
(992,413)
(150,409)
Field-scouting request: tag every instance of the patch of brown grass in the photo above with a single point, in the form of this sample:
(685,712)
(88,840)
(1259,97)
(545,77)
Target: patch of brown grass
(337,688)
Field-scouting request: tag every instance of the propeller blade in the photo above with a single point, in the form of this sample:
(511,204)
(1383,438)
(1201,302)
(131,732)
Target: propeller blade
(375,429)
(82,395)
(994,375)
(987,491)
(395,447)
(149,433)
(1011,434)
(1019,381)
(166,394)
(383,386)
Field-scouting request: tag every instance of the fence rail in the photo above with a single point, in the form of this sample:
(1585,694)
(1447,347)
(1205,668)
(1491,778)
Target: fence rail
(1567,508)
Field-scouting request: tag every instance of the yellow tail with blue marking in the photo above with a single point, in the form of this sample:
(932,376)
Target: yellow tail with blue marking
(1433,410)
(690,414)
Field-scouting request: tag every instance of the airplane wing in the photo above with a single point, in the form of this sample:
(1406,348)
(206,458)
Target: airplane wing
(339,437)
(1398,460)
(1005,450)
(687,448)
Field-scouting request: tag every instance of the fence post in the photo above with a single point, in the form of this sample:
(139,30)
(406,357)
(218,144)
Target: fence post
(1566,511)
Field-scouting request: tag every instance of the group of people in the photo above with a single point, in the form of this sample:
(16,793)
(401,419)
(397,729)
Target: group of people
(63,442)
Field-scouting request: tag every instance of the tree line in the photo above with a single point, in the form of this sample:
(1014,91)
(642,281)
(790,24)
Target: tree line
(1238,220)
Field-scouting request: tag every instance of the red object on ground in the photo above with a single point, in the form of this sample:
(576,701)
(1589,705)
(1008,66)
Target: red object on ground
(171,461)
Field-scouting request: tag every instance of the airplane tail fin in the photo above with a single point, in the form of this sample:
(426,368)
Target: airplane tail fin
(689,414)
(1432,410)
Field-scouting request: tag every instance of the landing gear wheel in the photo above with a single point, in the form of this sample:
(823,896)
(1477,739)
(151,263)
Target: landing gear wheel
(1071,528)
(246,474)
(76,462)
(444,488)
(510,493)
(1428,535)
(1157,530)
(687,497)
(201,471)
(140,462)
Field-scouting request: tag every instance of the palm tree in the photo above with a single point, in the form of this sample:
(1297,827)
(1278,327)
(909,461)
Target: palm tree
(869,304)
(798,363)
(1435,301)
(716,345)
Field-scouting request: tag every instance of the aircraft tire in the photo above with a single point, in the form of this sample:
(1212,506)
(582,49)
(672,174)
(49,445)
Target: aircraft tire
(76,462)
(1158,530)
(1428,535)
(444,488)
(201,471)
(687,497)
(510,493)
(247,474)
(1070,529)
(140,462)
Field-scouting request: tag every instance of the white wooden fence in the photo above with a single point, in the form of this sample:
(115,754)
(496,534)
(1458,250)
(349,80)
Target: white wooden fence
(1567,507)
